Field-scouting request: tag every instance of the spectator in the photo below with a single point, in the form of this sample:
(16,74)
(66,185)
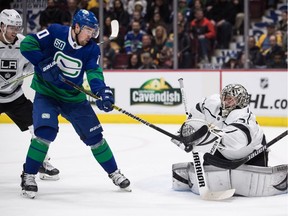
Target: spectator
(53,14)
(137,5)
(134,61)
(222,17)
(147,61)
(111,4)
(72,7)
(184,47)
(232,62)
(133,39)
(165,57)
(277,60)
(159,6)
(263,42)
(156,20)
(119,13)
(238,8)
(272,50)
(160,38)
(108,51)
(136,16)
(107,26)
(185,10)
(282,24)
(204,34)
(107,64)
(255,56)
(147,46)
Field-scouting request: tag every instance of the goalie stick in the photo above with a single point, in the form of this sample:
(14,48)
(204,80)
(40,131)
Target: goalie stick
(227,164)
(114,31)
(204,191)
(185,140)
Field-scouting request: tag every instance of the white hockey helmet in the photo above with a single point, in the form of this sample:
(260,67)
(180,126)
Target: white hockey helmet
(238,96)
(10,17)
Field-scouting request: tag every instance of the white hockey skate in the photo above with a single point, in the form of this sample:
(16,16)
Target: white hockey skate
(120,180)
(48,172)
(29,186)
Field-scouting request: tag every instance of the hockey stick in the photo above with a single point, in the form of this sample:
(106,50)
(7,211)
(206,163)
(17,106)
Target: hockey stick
(204,191)
(184,140)
(226,164)
(114,31)
(16,80)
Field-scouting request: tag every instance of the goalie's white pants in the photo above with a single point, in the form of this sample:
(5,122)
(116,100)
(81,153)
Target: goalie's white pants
(250,181)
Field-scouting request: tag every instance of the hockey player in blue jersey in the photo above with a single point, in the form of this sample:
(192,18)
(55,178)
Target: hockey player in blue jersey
(68,52)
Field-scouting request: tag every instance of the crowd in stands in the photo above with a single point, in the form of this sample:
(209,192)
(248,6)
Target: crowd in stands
(145,39)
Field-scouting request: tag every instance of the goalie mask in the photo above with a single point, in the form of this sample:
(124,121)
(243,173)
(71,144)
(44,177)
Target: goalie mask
(11,24)
(84,19)
(233,96)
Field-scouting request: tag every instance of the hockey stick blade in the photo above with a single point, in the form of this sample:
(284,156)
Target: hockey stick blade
(114,31)
(184,140)
(218,195)
(203,187)
(16,80)
(227,164)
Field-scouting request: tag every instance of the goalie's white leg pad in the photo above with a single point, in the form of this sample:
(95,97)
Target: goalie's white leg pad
(218,179)
(260,181)
(249,181)
(180,180)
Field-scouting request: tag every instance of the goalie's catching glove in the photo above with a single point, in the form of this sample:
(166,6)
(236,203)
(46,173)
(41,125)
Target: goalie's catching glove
(190,136)
(50,71)
(106,100)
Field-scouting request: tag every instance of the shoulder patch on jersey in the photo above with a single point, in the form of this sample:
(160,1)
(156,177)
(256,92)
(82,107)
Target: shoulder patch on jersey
(59,44)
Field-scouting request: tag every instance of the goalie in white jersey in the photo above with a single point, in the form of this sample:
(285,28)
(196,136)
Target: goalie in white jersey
(13,66)
(232,124)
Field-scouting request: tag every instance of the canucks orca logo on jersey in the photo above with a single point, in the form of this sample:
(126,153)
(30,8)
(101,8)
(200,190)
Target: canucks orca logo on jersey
(71,67)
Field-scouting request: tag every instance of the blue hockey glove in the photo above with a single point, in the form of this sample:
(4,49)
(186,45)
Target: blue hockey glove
(106,101)
(50,70)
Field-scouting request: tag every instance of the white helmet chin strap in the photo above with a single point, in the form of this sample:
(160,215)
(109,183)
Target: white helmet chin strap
(3,34)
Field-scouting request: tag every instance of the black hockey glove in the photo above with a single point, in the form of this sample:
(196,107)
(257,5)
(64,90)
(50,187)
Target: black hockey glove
(107,99)
(50,70)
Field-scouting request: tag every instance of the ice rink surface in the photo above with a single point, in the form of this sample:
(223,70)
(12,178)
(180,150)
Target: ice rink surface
(143,154)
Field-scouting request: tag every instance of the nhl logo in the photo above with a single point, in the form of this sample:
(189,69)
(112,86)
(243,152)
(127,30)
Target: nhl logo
(264,83)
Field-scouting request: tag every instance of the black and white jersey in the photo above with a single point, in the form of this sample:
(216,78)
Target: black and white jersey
(12,65)
(241,132)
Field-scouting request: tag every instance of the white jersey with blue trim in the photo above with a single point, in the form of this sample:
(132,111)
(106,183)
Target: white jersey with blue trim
(12,66)
(241,132)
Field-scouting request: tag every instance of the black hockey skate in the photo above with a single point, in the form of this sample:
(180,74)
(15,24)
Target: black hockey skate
(28,184)
(48,172)
(120,180)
